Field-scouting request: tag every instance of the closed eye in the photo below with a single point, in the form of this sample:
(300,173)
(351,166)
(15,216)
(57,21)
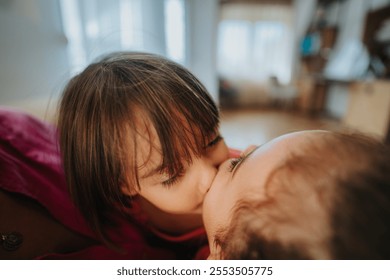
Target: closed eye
(237,162)
(173,179)
(215,141)
(233,163)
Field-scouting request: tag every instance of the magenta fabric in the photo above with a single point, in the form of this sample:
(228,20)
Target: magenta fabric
(30,165)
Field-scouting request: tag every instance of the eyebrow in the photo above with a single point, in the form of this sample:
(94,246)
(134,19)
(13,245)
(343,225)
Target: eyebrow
(244,159)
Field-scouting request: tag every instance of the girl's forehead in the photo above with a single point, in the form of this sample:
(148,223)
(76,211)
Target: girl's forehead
(171,143)
(148,156)
(147,143)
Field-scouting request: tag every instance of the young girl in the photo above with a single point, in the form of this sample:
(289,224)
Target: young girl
(140,147)
(305,195)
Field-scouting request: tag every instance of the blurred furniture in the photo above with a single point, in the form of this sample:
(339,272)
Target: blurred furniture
(315,48)
(313,93)
(369,108)
(369,102)
(305,87)
(376,37)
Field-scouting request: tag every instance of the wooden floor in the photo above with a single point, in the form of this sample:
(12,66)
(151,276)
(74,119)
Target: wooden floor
(241,128)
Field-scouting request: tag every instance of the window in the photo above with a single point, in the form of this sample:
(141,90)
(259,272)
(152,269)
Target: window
(174,30)
(255,43)
(96,27)
(234,48)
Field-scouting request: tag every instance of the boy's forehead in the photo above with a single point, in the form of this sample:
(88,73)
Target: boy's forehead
(268,158)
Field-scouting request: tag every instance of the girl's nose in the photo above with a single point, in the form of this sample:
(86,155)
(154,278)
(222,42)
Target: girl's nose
(218,155)
(209,171)
(234,153)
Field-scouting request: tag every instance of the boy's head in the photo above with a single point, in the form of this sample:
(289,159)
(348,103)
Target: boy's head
(305,195)
(138,124)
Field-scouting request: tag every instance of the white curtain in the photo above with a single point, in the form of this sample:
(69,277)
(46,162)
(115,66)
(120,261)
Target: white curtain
(255,42)
(96,27)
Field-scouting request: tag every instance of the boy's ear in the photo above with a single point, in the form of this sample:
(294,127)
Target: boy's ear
(215,252)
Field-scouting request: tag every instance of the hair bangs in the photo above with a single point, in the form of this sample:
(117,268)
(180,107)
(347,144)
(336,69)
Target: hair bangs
(183,115)
(184,133)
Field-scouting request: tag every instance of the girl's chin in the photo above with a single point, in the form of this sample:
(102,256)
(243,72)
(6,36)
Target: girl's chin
(199,209)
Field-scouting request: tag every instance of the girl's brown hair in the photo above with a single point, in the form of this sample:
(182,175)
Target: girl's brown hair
(99,121)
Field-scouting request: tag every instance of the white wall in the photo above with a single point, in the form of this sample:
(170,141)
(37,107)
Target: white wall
(202,20)
(153,22)
(33,55)
(33,62)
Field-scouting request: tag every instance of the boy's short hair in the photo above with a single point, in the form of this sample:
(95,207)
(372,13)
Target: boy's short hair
(329,200)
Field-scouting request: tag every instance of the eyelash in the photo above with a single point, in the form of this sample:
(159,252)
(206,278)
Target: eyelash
(215,141)
(173,180)
(233,163)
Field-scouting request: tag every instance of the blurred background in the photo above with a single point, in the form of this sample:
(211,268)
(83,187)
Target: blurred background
(273,66)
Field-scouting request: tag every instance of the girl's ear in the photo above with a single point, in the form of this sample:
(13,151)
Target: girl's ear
(127,191)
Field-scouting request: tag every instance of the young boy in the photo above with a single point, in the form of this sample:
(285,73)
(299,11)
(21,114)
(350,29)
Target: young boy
(305,195)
